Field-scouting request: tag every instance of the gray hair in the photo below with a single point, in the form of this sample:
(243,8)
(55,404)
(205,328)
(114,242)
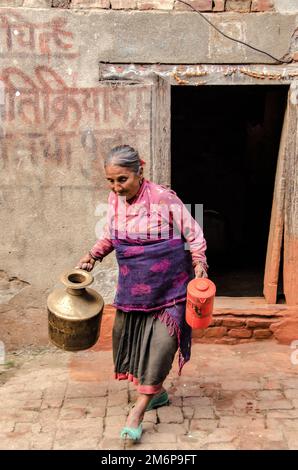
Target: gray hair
(125,156)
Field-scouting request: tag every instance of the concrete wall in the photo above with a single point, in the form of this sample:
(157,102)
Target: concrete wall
(57,120)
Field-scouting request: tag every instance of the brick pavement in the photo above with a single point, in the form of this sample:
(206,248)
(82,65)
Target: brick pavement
(229,397)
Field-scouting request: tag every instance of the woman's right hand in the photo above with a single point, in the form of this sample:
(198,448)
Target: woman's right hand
(200,271)
(86,262)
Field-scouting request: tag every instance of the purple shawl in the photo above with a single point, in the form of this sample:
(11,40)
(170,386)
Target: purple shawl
(153,277)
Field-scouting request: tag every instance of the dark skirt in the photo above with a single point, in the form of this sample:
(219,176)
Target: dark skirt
(143,350)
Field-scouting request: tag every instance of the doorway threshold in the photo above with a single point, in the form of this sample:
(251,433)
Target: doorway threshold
(247,306)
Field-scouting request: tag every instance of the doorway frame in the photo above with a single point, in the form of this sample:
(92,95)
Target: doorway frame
(284,210)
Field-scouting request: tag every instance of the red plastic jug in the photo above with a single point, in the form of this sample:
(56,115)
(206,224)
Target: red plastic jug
(199,302)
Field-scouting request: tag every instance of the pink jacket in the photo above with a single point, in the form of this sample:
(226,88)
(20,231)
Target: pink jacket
(155,212)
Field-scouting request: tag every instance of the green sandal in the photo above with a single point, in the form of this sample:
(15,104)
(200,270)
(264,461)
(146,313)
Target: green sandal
(156,402)
(132,433)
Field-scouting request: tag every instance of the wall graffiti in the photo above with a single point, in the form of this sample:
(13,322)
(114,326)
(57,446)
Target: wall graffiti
(45,99)
(22,38)
(48,125)
(52,120)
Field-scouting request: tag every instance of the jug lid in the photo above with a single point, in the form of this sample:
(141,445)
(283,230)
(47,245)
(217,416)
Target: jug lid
(201,288)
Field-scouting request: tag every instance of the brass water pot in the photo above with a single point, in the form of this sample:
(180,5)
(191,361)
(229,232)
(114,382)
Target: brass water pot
(75,312)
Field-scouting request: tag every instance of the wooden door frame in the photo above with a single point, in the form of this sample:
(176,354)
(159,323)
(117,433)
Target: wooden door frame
(290,269)
(161,132)
(284,214)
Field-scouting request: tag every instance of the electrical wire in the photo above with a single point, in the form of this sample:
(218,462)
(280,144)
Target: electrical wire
(281,61)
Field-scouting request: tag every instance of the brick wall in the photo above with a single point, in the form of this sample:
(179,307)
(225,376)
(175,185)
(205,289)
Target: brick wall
(228,328)
(243,6)
(232,329)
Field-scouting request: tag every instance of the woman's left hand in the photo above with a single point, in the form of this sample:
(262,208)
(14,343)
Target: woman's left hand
(200,271)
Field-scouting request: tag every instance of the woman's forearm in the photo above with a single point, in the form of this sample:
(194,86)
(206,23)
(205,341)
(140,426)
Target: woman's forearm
(101,249)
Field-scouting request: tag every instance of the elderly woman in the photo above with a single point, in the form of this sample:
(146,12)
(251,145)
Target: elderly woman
(148,227)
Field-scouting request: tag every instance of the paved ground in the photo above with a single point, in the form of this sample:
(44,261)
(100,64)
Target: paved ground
(229,397)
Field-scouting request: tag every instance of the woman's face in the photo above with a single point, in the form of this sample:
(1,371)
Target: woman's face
(123,181)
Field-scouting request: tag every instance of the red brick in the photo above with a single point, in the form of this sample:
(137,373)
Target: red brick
(215,332)
(233,322)
(52,403)
(240,333)
(260,334)
(219,5)
(123,4)
(203,424)
(34,3)
(88,403)
(113,421)
(222,435)
(172,414)
(155,4)
(242,6)
(60,3)
(258,322)
(15,442)
(270,395)
(42,441)
(286,330)
(242,422)
(262,5)
(49,416)
(116,411)
(118,399)
(178,429)
(32,405)
(90,4)
(201,5)
(96,412)
(272,385)
(195,440)
(275,405)
(188,412)
(156,439)
(72,413)
(86,390)
(113,431)
(198,333)
(8,426)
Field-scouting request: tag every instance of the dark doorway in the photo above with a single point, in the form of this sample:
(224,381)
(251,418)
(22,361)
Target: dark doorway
(224,148)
